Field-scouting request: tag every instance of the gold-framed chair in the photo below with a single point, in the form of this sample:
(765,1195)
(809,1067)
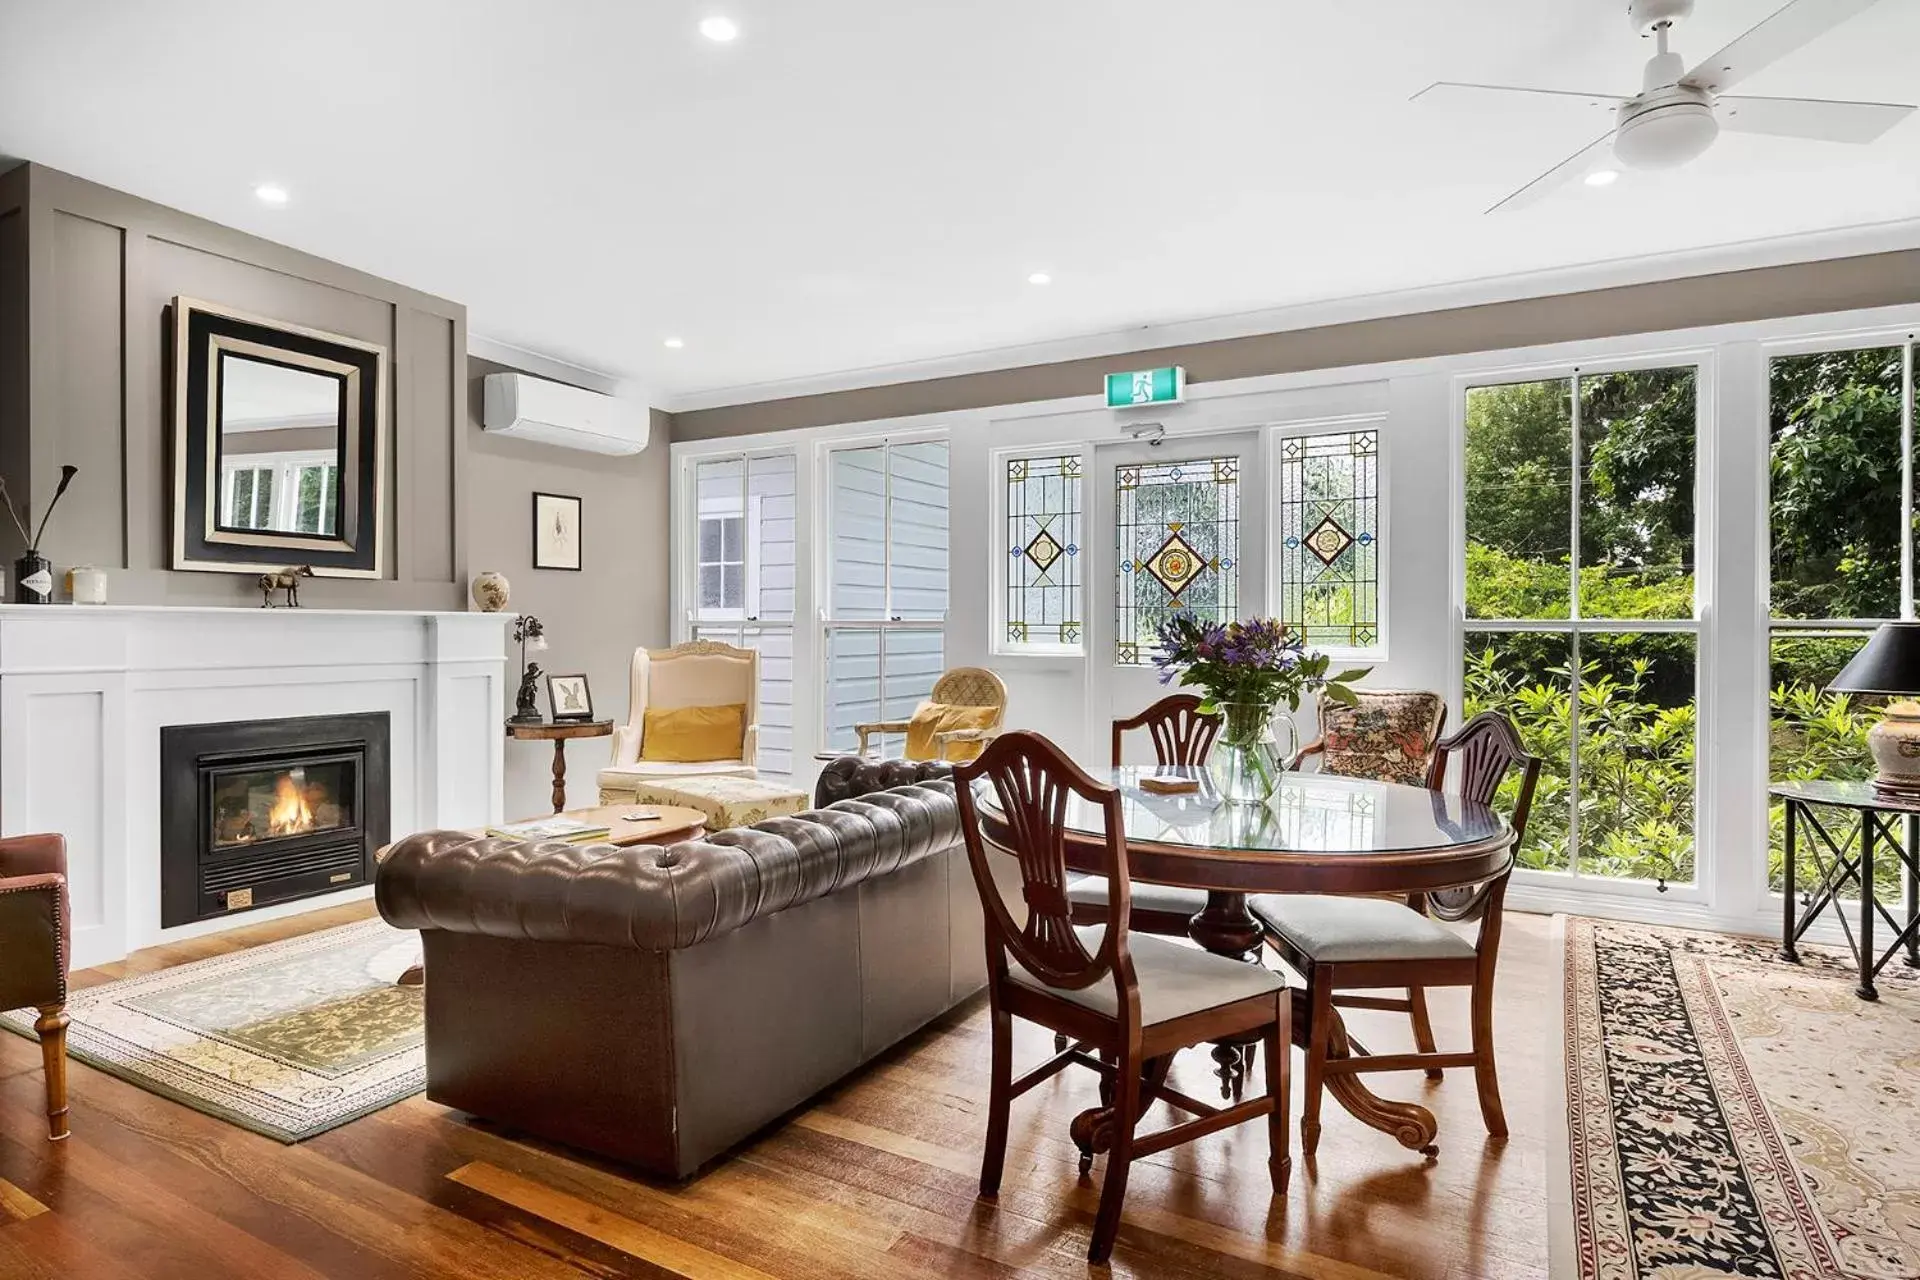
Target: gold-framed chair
(975,693)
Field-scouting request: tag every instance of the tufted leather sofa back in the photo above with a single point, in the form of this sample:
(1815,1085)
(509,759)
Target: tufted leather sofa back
(850,776)
(652,898)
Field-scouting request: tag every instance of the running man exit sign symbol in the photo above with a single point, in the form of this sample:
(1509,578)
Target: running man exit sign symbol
(1147,386)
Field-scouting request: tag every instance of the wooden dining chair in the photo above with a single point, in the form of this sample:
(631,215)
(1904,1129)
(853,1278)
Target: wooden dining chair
(1181,735)
(1346,944)
(1133,1001)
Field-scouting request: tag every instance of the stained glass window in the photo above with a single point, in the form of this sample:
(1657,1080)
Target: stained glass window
(1176,546)
(1043,551)
(1330,537)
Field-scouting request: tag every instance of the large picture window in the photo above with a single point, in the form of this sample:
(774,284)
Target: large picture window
(1840,550)
(742,589)
(1580,605)
(1043,497)
(1329,534)
(886,584)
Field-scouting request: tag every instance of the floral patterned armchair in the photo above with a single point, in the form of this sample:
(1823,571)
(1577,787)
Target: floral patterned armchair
(1388,736)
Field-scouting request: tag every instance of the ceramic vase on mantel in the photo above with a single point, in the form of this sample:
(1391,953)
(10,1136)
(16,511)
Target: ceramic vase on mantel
(1250,756)
(33,579)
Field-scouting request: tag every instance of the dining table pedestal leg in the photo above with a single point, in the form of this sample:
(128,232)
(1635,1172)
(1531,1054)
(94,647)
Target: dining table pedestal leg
(1226,928)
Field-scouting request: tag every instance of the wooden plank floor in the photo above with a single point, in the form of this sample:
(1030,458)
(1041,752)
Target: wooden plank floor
(876,1179)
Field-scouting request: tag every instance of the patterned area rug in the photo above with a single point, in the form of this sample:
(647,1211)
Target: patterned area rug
(289,1039)
(1730,1114)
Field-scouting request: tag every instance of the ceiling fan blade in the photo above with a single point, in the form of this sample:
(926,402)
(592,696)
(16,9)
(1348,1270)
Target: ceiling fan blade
(1444,91)
(1799,22)
(1555,178)
(1811,117)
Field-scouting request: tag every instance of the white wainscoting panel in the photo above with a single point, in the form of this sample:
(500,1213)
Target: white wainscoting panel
(85,691)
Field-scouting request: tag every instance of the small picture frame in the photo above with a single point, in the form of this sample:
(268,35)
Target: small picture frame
(568,698)
(556,532)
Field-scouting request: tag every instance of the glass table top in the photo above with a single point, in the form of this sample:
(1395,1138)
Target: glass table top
(1309,813)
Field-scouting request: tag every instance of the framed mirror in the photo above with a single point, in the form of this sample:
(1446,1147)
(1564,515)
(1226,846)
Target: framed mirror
(280,443)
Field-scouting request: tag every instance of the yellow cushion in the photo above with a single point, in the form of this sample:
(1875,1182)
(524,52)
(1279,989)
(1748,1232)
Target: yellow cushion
(686,734)
(931,718)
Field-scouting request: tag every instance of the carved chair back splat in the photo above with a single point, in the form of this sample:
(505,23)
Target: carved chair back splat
(1181,734)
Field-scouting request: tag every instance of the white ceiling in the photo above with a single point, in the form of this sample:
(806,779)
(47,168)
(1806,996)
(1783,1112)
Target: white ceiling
(864,183)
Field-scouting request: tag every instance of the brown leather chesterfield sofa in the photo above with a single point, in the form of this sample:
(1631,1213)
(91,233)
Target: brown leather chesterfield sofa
(658,1005)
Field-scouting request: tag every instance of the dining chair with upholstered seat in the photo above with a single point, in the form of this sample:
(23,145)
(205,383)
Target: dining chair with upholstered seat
(1181,735)
(1346,944)
(1132,1001)
(1387,735)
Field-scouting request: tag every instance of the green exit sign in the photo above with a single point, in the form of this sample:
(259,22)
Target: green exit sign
(1147,386)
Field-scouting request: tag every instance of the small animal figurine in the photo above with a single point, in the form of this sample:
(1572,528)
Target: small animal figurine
(287,580)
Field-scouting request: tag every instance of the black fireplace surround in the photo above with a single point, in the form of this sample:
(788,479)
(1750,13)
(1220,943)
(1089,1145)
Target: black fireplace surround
(255,812)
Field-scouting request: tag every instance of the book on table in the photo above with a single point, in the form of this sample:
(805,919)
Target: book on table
(571,830)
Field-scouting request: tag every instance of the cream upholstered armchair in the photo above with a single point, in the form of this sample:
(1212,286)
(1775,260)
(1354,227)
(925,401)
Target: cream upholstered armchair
(974,689)
(699,673)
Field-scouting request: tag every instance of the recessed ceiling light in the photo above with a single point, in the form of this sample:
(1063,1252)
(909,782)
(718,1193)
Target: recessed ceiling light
(1603,177)
(1039,277)
(719,30)
(674,344)
(270,193)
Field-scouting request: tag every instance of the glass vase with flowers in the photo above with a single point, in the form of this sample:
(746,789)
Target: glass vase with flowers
(1243,671)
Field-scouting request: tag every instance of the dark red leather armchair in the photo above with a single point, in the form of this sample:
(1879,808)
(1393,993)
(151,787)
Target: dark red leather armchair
(33,952)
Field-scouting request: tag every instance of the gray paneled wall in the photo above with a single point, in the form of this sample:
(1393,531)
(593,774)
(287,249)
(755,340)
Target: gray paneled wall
(594,618)
(86,275)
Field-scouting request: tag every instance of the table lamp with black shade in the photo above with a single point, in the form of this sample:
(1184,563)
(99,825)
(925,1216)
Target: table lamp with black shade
(1889,666)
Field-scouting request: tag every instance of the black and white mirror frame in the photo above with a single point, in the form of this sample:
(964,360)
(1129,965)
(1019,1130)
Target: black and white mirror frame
(203,334)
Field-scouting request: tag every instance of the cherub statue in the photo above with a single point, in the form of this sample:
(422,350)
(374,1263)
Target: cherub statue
(524,710)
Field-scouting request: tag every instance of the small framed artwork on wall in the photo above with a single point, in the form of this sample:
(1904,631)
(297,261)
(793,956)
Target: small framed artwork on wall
(556,532)
(569,698)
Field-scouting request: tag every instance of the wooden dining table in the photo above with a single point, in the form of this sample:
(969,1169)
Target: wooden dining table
(1317,834)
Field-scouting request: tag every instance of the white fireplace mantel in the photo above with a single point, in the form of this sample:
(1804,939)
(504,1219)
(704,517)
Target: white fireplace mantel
(85,690)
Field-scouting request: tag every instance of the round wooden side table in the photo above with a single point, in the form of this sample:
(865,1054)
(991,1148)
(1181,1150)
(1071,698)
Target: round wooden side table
(559,732)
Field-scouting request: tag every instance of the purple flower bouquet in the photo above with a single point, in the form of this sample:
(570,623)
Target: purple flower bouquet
(1243,670)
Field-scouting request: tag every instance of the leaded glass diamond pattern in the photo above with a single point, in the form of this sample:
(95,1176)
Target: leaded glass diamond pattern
(1177,543)
(1328,540)
(1329,512)
(1175,565)
(1043,551)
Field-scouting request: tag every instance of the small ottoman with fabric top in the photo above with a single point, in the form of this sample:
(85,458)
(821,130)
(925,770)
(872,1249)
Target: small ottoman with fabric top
(727,802)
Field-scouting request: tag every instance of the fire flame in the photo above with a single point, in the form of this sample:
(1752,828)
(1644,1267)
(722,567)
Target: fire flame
(290,814)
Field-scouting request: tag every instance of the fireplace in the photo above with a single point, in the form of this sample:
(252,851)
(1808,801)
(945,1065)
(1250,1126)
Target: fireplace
(257,812)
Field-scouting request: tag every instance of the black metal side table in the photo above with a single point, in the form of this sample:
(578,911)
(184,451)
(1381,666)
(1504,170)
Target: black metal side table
(1877,813)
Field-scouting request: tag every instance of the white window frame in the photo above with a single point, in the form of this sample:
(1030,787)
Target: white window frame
(1345,424)
(1906,337)
(285,468)
(749,563)
(739,626)
(823,569)
(1000,580)
(1706,485)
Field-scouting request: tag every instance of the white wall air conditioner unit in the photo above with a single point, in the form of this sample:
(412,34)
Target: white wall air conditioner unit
(529,408)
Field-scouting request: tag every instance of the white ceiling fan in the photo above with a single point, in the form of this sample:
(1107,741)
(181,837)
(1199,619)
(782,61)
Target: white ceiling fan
(1678,113)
